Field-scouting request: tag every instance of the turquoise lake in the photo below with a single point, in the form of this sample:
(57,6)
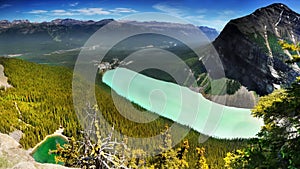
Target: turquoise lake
(183,105)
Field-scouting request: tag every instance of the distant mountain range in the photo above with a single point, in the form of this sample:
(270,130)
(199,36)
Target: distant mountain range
(248,46)
(211,33)
(24,37)
(21,36)
(250,51)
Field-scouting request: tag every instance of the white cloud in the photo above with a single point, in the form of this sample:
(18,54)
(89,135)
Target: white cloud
(84,11)
(214,18)
(61,12)
(58,11)
(5,6)
(37,11)
(168,9)
(123,10)
(196,17)
(227,12)
(91,11)
(203,17)
(74,4)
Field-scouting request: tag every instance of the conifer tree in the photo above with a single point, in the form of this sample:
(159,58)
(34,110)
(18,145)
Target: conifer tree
(169,157)
(201,163)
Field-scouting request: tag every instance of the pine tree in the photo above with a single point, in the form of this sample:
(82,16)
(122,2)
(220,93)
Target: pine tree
(201,163)
(182,154)
(169,157)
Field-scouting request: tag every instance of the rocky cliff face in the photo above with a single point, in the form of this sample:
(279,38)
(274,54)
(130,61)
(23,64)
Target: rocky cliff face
(249,49)
(14,157)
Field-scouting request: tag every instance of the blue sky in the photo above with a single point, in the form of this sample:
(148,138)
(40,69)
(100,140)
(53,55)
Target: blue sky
(212,13)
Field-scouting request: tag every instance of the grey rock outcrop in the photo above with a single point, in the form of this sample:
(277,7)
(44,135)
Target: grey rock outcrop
(241,98)
(13,156)
(3,79)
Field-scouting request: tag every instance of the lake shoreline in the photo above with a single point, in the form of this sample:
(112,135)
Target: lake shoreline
(57,133)
(228,122)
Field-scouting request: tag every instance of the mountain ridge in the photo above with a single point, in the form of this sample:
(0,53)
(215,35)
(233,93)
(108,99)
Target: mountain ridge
(31,38)
(249,49)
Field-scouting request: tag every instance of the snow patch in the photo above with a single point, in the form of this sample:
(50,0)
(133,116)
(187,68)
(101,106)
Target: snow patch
(273,72)
(280,18)
(293,37)
(276,24)
(276,86)
(267,42)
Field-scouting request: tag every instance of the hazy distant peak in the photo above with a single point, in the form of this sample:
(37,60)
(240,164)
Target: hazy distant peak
(211,33)
(69,21)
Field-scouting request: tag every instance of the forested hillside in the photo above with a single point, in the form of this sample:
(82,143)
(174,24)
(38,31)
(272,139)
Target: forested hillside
(41,101)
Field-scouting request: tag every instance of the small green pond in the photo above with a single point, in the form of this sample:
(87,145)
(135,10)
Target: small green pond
(41,153)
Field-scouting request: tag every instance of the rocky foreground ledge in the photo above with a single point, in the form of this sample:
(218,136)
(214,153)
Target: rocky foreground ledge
(3,79)
(14,157)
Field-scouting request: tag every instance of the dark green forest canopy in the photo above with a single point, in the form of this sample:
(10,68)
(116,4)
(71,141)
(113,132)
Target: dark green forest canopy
(43,94)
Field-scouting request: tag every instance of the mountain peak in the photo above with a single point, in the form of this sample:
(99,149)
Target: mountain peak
(25,21)
(278,5)
(270,18)
(66,21)
(252,42)
(274,9)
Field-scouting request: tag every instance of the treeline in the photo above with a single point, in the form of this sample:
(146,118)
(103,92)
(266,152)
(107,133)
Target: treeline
(43,96)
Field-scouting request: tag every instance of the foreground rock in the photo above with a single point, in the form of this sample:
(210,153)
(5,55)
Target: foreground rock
(3,79)
(13,156)
(241,98)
